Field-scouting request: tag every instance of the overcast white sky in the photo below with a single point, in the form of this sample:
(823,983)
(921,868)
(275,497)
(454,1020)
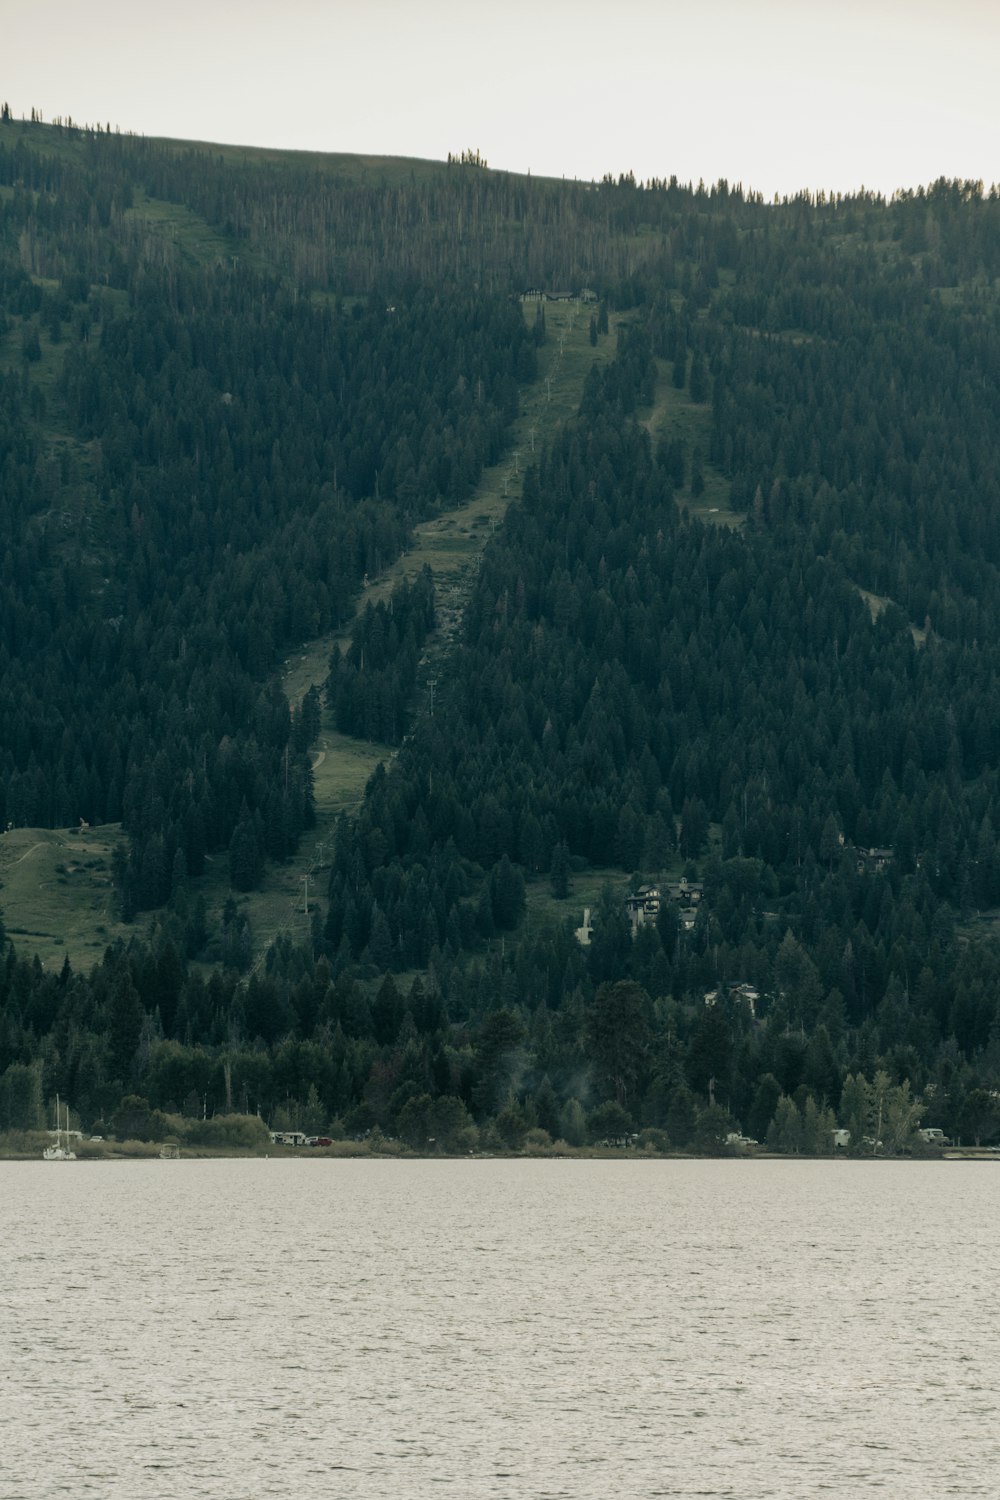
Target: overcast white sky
(776,94)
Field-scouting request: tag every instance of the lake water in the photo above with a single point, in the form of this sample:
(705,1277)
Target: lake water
(536,1329)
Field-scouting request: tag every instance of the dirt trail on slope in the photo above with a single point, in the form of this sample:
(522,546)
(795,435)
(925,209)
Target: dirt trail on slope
(452,541)
(451,544)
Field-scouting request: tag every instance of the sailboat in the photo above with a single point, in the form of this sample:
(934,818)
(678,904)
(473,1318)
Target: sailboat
(59,1152)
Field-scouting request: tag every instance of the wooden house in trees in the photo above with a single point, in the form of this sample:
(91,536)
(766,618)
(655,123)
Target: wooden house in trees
(873,861)
(642,906)
(688,895)
(685,892)
(739,993)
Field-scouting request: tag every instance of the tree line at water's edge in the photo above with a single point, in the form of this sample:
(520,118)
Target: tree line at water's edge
(201,462)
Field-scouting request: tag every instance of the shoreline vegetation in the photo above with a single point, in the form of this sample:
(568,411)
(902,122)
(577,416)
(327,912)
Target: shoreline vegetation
(395,1151)
(207,1140)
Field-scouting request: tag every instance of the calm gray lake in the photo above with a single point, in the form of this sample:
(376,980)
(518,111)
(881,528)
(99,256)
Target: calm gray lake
(242,1329)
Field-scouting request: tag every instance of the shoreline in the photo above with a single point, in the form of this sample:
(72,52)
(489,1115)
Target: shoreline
(129,1151)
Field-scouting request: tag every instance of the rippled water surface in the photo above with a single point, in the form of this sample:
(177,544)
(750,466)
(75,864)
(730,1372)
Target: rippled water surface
(243,1329)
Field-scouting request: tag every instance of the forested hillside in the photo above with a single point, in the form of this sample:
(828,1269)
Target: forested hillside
(213,464)
(230,387)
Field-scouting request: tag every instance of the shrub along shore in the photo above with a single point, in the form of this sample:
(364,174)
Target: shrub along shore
(246,1136)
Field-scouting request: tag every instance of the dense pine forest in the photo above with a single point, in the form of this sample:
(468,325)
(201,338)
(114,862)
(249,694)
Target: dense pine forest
(730,661)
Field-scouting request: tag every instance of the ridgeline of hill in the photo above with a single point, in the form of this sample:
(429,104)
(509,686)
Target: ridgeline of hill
(266,615)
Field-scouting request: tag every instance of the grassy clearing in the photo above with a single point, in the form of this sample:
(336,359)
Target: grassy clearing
(878,602)
(979,925)
(42,372)
(542,909)
(178,225)
(58,899)
(342,767)
(675,415)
